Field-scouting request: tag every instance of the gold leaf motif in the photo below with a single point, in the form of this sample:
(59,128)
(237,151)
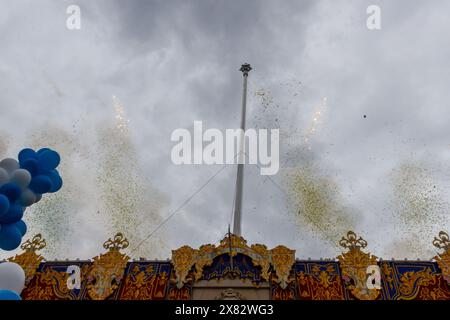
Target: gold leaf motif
(280,258)
(262,259)
(388,274)
(30,260)
(351,241)
(354,265)
(50,284)
(183,259)
(145,285)
(320,285)
(423,285)
(204,258)
(443,259)
(107,269)
(119,242)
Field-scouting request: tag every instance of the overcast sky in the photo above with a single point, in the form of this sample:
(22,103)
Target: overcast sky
(363,118)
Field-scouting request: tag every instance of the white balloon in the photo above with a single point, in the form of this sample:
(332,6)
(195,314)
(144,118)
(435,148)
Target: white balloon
(12,277)
(21,177)
(4,176)
(9,164)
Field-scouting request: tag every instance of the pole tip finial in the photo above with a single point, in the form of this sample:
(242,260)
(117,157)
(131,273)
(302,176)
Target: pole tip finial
(245,68)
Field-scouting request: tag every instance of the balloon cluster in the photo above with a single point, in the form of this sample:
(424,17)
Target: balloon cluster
(22,183)
(12,281)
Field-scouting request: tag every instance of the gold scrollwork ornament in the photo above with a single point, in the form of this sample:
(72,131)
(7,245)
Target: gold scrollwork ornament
(183,259)
(29,260)
(280,258)
(354,265)
(443,259)
(108,269)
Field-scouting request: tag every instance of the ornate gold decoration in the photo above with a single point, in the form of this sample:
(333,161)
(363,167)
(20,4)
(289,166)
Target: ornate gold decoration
(443,259)
(204,258)
(35,244)
(179,294)
(411,281)
(352,241)
(46,283)
(107,269)
(183,259)
(283,294)
(30,260)
(388,274)
(422,285)
(322,284)
(144,285)
(50,284)
(280,258)
(354,265)
(119,242)
(262,259)
(443,242)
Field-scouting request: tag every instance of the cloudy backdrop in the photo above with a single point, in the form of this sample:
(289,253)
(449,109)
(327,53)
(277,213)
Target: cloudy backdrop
(363,117)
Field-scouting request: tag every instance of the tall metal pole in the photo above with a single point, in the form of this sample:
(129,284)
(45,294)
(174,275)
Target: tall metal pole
(230,247)
(245,68)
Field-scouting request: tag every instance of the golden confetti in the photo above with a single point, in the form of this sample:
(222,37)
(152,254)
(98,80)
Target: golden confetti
(317,203)
(130,204)
(418,203)
(56,215)
(121,121)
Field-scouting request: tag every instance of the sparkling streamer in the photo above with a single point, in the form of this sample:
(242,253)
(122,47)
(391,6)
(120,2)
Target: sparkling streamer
(315,121)
(130,203)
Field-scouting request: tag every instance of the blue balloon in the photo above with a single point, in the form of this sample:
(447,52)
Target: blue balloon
(49,160)
(4,204)
(9,295)
(21,226)
(10,237)
(14,214)
(40,184)
(38,197)
(11,190)
(56,180)
(32,165)
(26,154)
(42,150)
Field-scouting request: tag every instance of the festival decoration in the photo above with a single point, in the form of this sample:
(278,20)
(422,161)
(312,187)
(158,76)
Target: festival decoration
(22,183)
(354,264)
(30,260)
(443,259)
(12,281)
(113,276)
(276,262)
(107,269)
(12,277)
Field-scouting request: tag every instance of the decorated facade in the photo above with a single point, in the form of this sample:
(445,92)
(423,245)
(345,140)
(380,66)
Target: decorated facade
(235,270)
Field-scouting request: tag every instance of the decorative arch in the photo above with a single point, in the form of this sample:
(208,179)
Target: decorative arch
(277,262)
